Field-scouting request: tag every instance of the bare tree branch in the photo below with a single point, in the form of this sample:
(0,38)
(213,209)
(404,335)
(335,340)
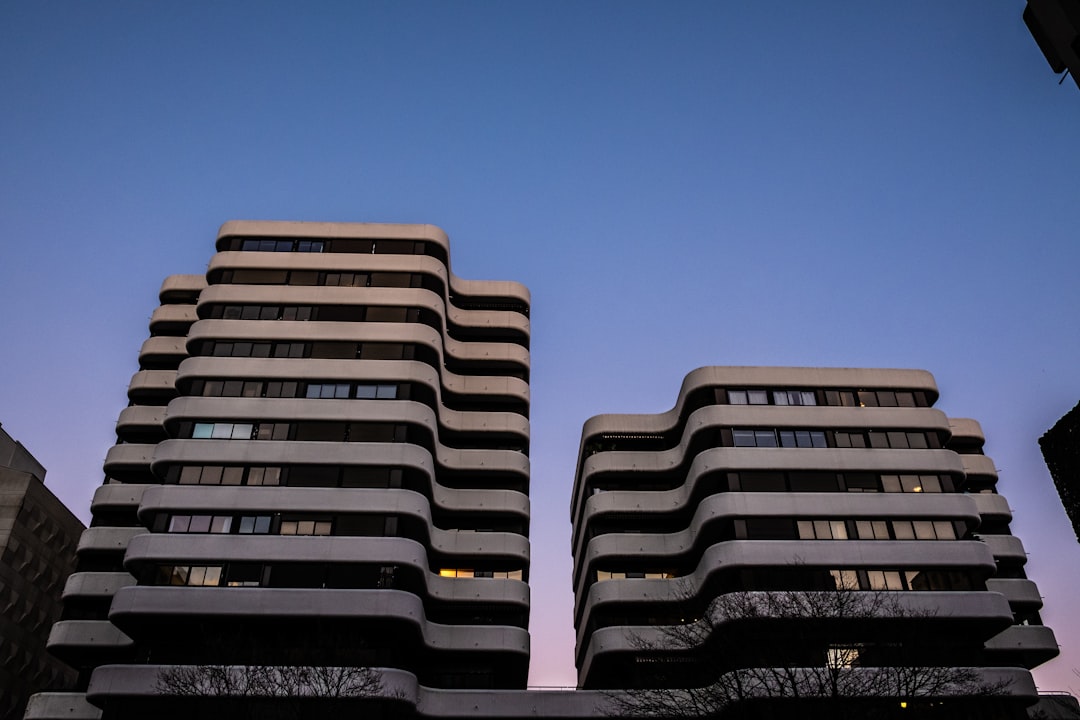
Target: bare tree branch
(813,659)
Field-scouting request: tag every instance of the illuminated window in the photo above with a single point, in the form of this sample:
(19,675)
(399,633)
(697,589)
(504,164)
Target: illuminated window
(191,575)
(842,656)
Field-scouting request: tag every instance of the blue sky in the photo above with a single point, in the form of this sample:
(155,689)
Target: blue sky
(679,184)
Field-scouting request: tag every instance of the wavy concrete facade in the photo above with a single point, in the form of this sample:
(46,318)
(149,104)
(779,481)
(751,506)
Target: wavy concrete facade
(324,462)
(773,480)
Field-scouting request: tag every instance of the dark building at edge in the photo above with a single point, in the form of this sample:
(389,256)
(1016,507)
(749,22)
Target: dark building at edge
(37,552)
(1061,450)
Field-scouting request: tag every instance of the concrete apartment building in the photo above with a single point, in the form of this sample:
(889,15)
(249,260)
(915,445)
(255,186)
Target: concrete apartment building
(37,553)
(324,463)
(796,480)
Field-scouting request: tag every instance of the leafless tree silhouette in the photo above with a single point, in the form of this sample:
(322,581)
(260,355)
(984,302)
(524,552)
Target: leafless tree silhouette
(792,658)
(268,691)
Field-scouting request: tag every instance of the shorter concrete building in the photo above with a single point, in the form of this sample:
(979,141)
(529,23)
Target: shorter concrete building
(1061,450)
(37,553)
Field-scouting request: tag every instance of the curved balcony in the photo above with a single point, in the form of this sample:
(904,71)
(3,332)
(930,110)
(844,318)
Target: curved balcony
(943,614)
(150,550)
(729,506)
(736,554)
(509,426)
(96,584)
(141,609)
(107,539)
(967,435)
(81,642)
(640,465)
(116,496)
(1006,548)
(181,289)
(129,462)
(152,387)
(60,706)
(979,468)
(330,231)
(162,352)
(172,319)
(490,547)
(480,354)
(141,424)
(328,370)
(994,509)
(768,377)
(1023,595)
(1029,645)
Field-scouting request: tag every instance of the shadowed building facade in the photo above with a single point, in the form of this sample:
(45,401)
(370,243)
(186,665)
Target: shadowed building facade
(37,553)
(798,480)
(324,462)
(1061,449)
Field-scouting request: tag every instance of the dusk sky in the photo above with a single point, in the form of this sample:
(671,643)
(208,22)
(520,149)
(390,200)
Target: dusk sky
(878,184)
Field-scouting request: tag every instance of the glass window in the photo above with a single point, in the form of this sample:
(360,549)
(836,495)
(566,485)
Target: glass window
(220,524)
(944,530)
(220,431)
(838,529)
(757,397)
(845,579)
(242,431)
(232,476)
(190,475)
(742,438)
(211,475)
(930,483)
(867,399)
(903,530)
(736,397)
(806,529)
(878,440)
(910,483)
(386,392)
(897,440)
(891,483)
(765,438)
(886,398)
(787,438)
(199,524)
(884,580)
(179,523)
(203,430)
(924,530)
(916,440)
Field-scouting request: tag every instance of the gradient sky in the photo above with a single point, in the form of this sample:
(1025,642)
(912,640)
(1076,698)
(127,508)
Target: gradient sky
(682,184)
